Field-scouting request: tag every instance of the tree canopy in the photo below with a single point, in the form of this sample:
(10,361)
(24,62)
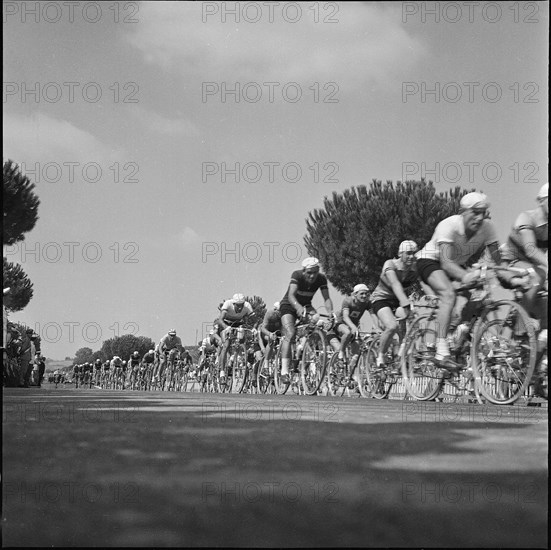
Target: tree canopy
(21,287)
(125,345)
(83,355)
(358,230)
(20,204)
(259,309)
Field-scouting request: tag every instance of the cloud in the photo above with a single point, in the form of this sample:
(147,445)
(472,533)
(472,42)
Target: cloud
(189,238)
(43,138)
(368,44)
(174,127)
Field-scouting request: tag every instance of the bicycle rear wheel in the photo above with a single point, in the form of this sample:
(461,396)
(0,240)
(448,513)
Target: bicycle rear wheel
(504,352)
(422,377)
(314,361)
(265,374)
(239,369)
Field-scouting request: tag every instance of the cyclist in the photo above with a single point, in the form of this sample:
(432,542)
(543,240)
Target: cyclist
(168,342)
(348,321)
(233,313)
(297,302)
(116,367)
(458,241)
(97,371)
(389,297)
(209,346)
(267,332)
(77,369)
(134,366)
(149,357)
(105,371)
(268,329)
(527,247)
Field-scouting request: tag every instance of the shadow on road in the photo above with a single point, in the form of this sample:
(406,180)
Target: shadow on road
(203,471)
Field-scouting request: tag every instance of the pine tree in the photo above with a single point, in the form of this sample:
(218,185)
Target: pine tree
(358,230)
(20,204)
(259,310)
(21,288)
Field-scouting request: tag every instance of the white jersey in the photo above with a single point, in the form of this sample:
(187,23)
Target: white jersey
(232,315)
(452,230)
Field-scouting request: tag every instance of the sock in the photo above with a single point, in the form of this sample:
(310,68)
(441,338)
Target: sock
(285,363)
(442,348)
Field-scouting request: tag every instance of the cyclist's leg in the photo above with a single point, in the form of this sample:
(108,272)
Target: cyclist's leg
(531,302)
(442,287)
(339,345)
(388,320)
(289,330)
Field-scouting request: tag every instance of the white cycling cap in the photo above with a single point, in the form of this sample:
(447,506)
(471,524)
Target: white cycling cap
(360,288)
(238,299)
(474,200)
(543,193)
(309,263)
(407,246)
(276,306)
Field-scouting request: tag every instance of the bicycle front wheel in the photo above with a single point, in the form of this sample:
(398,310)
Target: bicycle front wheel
(422,377)
(265,376)
(377,379)
(504,352)
(314,360)
(336,376)
(280,387)
(239,370)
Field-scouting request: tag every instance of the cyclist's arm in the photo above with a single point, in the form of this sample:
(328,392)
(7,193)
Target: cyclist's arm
(264,327)
(293,287)
(328,302)
(348,321)
(530,247)
(162,346)
(454,270)
(221,319)
(397,288)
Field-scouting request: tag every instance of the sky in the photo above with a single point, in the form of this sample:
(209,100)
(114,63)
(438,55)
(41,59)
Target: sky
(177,148)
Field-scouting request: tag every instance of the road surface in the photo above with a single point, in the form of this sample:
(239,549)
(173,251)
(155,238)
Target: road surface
(120,468)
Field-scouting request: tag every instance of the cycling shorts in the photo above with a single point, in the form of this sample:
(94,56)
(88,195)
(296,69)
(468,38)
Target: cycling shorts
(392,304)
(425,268)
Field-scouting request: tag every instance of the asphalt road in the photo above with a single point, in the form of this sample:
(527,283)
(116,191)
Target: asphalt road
(120,468)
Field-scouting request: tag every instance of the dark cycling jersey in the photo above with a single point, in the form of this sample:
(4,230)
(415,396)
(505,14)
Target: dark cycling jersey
(272,321)
(355,310)
(532,220)
(407,277)
(305,291)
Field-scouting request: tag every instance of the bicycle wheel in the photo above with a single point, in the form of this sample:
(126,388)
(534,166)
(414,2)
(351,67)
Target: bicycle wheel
(336,376)
(314,361)
(265,374)
(422,377)
(280,387)
(504,352)
(378,381)
(239,368)
(223,384)
(185,380)
(362,377)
